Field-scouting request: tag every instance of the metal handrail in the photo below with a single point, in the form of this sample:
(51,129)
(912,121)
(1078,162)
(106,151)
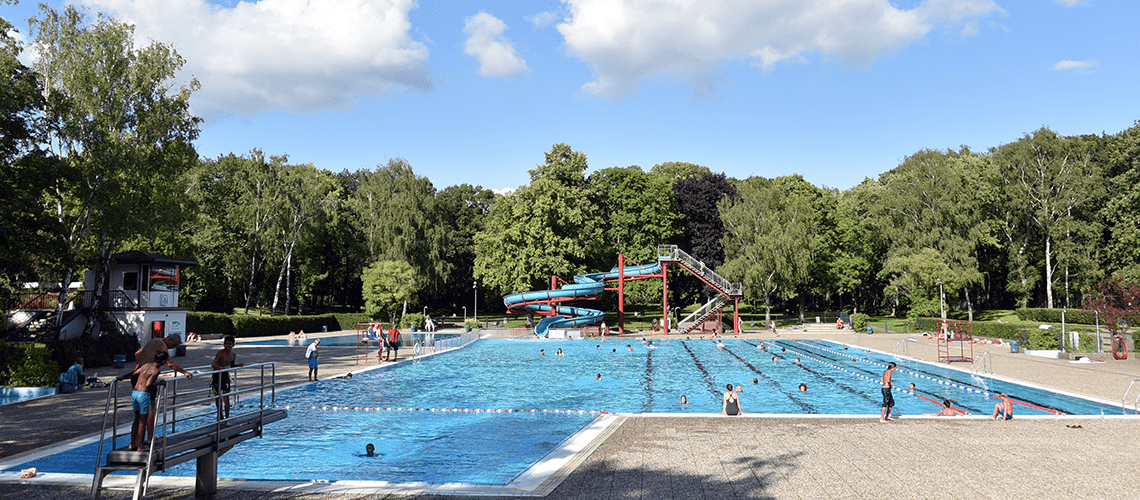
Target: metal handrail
(905,344)
(1135,402)
(855,338)
(675,254)
(702,311)
(983,363)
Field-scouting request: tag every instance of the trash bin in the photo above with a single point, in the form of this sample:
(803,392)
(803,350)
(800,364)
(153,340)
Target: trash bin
(870,330)
(180,350)
(1013,346)
(120,360)
(325,327)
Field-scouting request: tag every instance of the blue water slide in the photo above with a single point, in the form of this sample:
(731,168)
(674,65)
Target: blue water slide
(584,286)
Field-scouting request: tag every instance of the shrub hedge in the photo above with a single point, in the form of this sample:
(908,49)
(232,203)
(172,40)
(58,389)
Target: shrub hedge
(1078,316)
(98,353)
(242,325)
(27,365)
(209,322)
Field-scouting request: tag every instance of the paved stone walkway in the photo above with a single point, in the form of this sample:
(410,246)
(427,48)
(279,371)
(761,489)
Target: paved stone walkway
(752,457)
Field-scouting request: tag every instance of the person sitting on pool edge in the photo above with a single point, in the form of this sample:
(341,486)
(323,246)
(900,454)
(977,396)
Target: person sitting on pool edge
(1004,409)
(731,404)
(945,411)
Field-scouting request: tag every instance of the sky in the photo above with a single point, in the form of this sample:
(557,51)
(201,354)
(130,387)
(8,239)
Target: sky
(476,92)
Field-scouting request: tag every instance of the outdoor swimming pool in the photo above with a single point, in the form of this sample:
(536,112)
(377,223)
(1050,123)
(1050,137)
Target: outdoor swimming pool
(318,442)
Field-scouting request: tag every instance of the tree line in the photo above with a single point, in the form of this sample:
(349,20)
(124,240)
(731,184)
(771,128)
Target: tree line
(98,157)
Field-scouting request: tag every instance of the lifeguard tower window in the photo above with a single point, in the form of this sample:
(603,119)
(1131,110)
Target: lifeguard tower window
(164,279)
(131,280)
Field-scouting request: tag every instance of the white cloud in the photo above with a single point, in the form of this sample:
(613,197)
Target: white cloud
(506,190)
(542,19)
(495,53)
(1083,67)
(297,55)
(627,41)
(970,29)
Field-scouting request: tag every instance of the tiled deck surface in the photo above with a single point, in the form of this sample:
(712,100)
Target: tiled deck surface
(717,457)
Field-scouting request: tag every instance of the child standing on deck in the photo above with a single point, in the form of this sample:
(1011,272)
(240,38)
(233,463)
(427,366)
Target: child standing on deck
(141,400)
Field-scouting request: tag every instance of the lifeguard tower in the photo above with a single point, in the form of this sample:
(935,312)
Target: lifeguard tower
(142,294)
(953,337)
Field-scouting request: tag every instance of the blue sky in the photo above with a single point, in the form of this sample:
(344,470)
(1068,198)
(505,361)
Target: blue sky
(476,92)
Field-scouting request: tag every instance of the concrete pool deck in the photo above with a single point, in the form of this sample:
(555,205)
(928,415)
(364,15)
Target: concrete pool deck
(716,457)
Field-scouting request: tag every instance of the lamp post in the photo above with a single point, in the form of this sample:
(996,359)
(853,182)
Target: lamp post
(475,286)
(941,306)
(465,315)
(1099,340)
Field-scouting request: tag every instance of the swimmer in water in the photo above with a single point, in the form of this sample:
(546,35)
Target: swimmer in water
(755,381)
(599,377)
(719,344)
(369,450)
(684,401)
(542,352)
(650,345)
(560,353)
(774,359)
(803,387)
(797,361)
(911,388)
(627,346)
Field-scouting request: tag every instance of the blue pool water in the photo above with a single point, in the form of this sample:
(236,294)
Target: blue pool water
(10,395)
(492,448)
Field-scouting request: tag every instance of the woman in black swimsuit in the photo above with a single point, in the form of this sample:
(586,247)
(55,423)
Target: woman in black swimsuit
(731,402)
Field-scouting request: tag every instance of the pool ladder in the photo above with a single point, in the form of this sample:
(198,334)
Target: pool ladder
(982,364)
(904,346)
(1135,402)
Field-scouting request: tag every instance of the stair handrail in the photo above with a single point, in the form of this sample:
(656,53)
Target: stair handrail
(674,253)
(708,306)
(855,338)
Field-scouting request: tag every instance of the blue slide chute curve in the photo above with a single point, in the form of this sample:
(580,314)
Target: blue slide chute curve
(584,286)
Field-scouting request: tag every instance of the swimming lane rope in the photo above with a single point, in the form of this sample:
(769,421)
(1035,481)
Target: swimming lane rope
(444,410)
(932,379)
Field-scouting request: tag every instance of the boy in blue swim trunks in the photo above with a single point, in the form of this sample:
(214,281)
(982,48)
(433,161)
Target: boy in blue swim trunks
(141,399)
(1004,409)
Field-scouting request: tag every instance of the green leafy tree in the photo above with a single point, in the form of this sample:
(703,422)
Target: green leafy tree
(697,198)
(857,245)
(640,212)
(396,215)
(932,201)
(770,229)
(388,286)
(463,210)
(1120,213)
(25,174)
(1053,183)
(679,170)
(309,195)
(121,127)
(547,228)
